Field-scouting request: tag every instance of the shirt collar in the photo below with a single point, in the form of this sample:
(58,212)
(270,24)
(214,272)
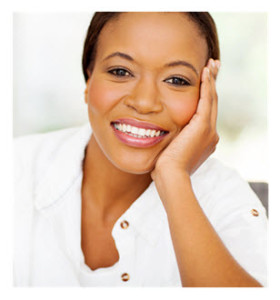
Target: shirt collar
(64,169)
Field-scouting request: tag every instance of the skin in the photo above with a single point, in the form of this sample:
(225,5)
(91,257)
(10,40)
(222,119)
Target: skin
(145,90)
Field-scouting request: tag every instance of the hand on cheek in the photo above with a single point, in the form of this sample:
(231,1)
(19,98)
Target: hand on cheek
(198,139)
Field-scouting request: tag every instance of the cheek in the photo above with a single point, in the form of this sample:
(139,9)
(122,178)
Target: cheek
(102,96)
(183,107)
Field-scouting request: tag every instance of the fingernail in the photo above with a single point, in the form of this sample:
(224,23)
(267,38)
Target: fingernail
(218,64)
(212,63)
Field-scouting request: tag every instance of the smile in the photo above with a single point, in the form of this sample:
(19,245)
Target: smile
(138,134)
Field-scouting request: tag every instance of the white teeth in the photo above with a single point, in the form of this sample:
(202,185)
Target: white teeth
(134,130)
(128,128)
(137,132)
(142,131)
(153,132)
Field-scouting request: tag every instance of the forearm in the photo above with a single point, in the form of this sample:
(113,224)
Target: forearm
(202,258)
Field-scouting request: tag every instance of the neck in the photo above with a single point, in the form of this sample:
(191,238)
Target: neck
(107,190)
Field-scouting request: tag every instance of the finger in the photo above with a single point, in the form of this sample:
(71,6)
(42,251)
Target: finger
(214,110)
(205,102)
(214,66)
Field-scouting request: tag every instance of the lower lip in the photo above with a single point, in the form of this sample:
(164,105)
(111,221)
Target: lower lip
(137,142)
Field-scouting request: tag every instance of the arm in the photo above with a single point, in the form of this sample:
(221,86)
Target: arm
(202,258)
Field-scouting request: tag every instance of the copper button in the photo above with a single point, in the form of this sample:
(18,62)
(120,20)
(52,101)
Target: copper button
(254,212)
(124,224)
(125,277)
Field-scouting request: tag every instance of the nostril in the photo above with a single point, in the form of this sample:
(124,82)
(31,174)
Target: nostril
(143,105)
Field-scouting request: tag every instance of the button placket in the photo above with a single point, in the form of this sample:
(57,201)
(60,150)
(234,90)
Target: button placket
(126,246)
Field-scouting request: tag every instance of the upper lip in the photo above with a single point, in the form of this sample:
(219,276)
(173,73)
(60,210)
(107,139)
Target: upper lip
(140,124)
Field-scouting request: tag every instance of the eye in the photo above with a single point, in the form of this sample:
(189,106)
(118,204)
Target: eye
(179,81)
(119,72)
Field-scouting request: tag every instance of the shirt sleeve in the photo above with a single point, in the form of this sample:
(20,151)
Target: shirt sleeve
(239,219)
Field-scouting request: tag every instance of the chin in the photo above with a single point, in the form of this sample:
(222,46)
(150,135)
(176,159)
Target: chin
(134,167)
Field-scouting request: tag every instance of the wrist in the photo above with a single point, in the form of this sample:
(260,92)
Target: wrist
(170,177)
(168,171)
(173,185)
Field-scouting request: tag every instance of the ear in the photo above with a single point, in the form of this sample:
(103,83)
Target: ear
(86,91)
(89,73)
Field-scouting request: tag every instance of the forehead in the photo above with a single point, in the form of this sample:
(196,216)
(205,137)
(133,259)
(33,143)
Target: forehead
(157,36)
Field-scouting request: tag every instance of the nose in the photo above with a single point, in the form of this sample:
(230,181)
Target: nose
(144,97)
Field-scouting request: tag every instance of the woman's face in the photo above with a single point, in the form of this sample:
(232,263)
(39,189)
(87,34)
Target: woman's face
(147,77)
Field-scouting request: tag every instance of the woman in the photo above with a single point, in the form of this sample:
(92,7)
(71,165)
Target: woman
(133,199)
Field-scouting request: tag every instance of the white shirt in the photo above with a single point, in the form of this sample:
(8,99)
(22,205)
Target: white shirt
(48,251)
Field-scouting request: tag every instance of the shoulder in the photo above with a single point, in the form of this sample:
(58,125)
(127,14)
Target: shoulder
(222,190)
(29,145)
(44,158)
(37,150)
(215,176)
(215,168)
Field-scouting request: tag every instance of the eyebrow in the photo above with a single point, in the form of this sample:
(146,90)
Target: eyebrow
(120,54)
(171,64)
(182,63)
